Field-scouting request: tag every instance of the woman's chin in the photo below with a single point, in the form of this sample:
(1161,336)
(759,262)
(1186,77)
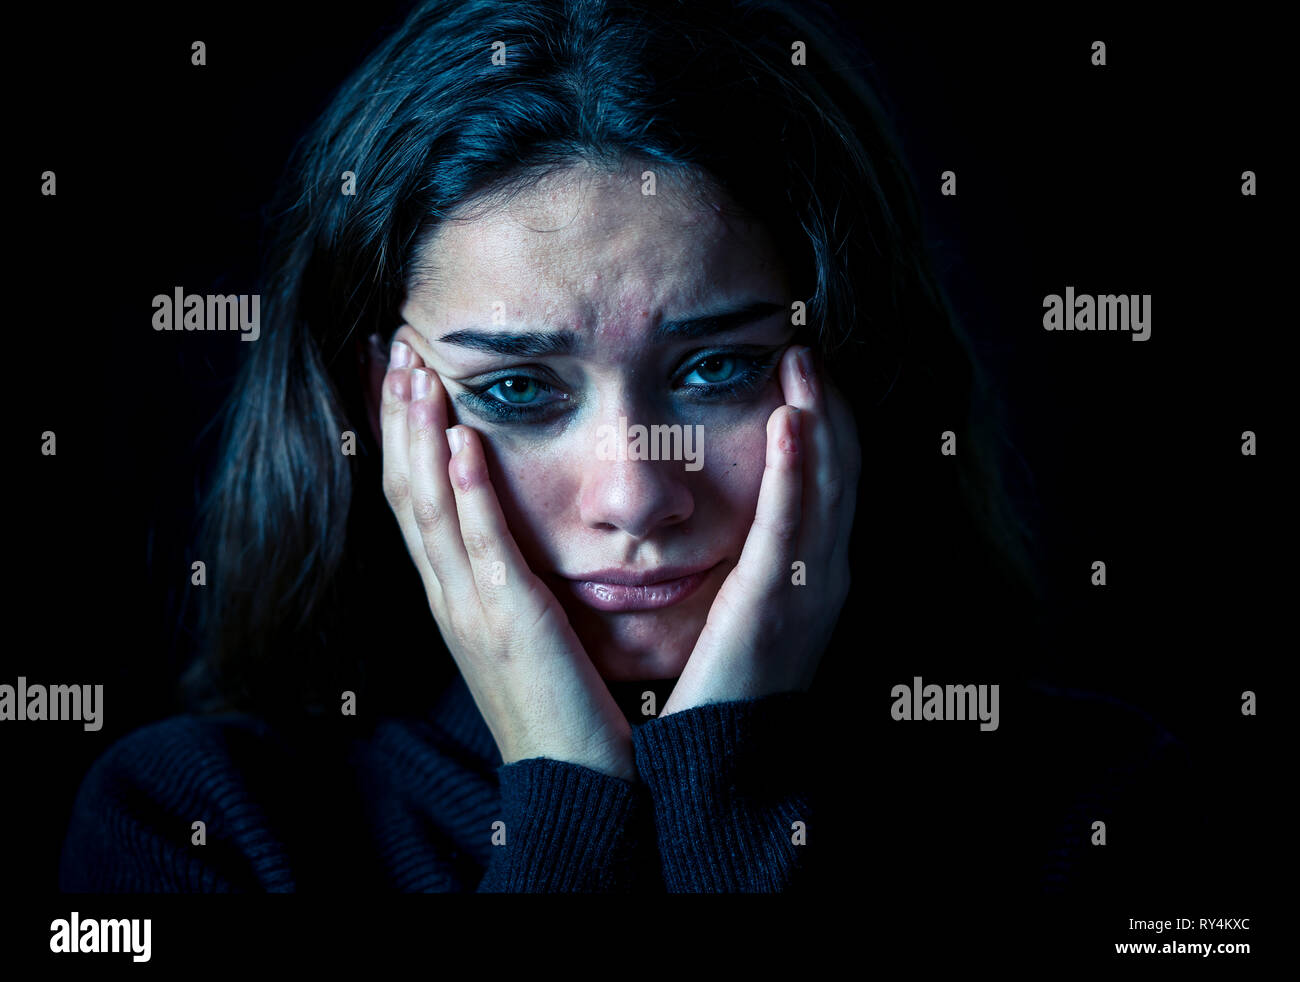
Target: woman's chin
(639,665)
(643,645)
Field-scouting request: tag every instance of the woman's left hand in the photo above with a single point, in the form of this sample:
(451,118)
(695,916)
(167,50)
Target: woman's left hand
(771,620)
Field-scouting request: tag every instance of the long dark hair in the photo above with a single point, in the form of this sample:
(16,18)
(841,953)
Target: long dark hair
(308,572)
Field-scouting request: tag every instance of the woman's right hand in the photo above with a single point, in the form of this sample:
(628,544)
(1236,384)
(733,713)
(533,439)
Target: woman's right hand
(539,693)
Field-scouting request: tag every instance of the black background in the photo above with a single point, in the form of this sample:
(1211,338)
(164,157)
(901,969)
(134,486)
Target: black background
(1121,179)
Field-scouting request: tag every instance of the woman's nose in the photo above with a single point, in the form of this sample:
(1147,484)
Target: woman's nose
(630,481)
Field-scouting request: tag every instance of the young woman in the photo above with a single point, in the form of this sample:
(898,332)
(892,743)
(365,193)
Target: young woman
(540,491)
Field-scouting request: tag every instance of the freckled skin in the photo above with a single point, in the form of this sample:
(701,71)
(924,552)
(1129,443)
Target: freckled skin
(587,252)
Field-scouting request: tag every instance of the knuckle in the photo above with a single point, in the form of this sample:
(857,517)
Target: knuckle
(397,489)
(463,621)
(420,417)
(462,634)
(428,515)
(478,544)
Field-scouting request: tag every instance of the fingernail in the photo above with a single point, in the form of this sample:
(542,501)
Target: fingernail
(419,383)
(455,440)
(400,356)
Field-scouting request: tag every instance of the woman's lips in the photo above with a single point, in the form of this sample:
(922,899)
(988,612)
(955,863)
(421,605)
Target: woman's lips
(604,595)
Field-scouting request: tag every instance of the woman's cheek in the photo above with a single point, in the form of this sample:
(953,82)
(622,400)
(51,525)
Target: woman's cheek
(532,490)
(735,461)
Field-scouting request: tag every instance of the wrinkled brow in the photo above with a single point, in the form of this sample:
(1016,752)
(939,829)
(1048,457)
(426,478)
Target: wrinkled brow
(541,344)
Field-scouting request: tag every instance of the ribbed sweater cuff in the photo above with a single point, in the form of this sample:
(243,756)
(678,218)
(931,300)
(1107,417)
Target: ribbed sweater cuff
(728,782)
(568,829)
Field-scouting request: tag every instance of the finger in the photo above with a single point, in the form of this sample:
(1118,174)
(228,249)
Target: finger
(835,456)
(493,554)
(771,545)
(433,506)
(396,397)
(802,388)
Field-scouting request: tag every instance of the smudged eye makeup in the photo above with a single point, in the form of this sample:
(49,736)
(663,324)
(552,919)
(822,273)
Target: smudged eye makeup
(727,375)
(513,398)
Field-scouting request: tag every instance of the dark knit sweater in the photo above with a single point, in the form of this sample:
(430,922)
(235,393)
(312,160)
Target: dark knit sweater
(926,810)
(411,804)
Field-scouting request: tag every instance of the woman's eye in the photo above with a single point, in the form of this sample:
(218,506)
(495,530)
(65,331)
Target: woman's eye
(513,398)
(518,390)
(729,376)
(716,378)
(714,369)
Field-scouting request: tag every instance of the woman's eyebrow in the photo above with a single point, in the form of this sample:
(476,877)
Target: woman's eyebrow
(531,344)
(717,323)
(540,344)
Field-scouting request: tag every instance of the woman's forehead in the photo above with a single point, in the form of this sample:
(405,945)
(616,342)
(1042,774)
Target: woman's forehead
(613,268)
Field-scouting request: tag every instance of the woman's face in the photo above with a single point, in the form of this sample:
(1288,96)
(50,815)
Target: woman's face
(567,318)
